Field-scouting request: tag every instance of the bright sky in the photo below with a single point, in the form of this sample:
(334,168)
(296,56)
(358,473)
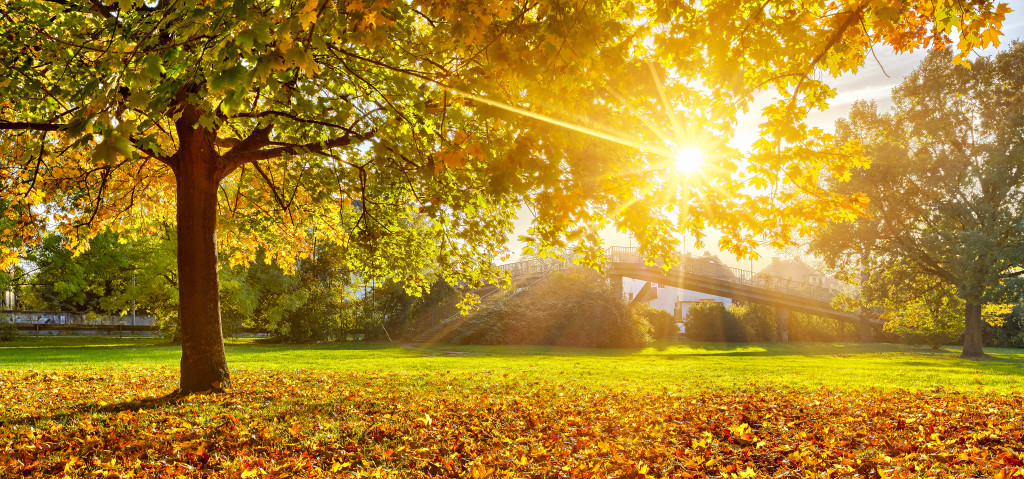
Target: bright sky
(870,83)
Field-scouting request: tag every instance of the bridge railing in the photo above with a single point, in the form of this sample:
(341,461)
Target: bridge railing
(686,265)
(692,265)
(534,266)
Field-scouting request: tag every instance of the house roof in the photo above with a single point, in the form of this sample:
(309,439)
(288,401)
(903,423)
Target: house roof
(792,269)
(710,264)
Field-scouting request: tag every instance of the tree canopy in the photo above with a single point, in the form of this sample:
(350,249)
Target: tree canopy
(254,122)
(945,228)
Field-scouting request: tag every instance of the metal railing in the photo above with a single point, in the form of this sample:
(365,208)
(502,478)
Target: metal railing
(534,266)
(689,265)
(686,265)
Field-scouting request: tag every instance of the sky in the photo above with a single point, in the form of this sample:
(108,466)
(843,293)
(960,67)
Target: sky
(873,81)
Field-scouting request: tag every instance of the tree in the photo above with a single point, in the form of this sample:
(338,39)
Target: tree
(264,119)
(569,308)
(12,276)
(113,275)
(946,182)
(392,310)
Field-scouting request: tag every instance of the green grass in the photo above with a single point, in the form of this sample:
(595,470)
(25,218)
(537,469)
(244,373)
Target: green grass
(680,367)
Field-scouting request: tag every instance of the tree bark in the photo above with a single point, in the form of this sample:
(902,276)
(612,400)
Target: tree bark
(973,332)
(203,363)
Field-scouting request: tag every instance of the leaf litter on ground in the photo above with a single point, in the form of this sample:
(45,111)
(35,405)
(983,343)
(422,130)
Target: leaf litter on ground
(307,423)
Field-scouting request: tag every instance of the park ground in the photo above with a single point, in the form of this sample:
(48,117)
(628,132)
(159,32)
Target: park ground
(95,407)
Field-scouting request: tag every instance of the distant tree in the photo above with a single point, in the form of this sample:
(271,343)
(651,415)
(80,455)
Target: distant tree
(1010,333)
(257,121)
(113,276)
(12,279)
(946,183)
(572,308)
(713,322)
(759,322)
(663,325)
(395,308)
(12,276)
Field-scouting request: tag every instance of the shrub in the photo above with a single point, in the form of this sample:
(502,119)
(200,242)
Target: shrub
(713,322)
(758,322)
(1009,334)
(8,330)
(169,326)
(397,310)
(573,308)
(663,325)
(808,328)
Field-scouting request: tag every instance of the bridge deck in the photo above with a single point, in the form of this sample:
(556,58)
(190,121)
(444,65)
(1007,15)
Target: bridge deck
(703,276)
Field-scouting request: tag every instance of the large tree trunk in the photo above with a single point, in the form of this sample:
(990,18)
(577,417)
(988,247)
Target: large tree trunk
(973,332)
(203,364)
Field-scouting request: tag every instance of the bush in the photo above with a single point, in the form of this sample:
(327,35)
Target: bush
(810,328)
(1009,334)
(663,325)
(8,330)
(397,310)
(921,336)
(713,322)
(169,326)
(573,308)
(758,322)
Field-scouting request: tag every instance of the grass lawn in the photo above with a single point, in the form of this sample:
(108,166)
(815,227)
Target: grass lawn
(91,407)
(676,366)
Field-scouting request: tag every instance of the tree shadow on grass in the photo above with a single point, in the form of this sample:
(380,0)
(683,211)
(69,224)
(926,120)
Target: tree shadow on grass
(83,409)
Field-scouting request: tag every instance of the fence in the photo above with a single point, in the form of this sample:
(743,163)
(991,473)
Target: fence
(71,318)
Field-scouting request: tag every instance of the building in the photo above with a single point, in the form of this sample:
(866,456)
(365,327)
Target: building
(677,301)
(798,271)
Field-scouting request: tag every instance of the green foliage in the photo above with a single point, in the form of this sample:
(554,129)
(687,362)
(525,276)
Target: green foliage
(259,295)
(810,328)
(392,307)
(945,188)
(1008,334)
(706,321)
(318,300)
(115,274)
(322,299)
(573,308)
(8,330)
(758,321)
(663,325)
(315,302)
(935,317)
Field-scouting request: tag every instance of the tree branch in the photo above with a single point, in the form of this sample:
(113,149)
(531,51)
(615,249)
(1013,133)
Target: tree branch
(33,126)
(234,160)
(273,189)
(292,117)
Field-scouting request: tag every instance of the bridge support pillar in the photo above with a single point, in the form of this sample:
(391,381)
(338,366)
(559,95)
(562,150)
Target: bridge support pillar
(782,323)
(616,284)
(865,327)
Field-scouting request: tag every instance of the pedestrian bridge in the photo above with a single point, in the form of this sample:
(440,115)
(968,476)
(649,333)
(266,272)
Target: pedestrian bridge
(701,275)
(690,273)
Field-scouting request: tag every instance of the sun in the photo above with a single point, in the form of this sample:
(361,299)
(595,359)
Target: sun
(689,159)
